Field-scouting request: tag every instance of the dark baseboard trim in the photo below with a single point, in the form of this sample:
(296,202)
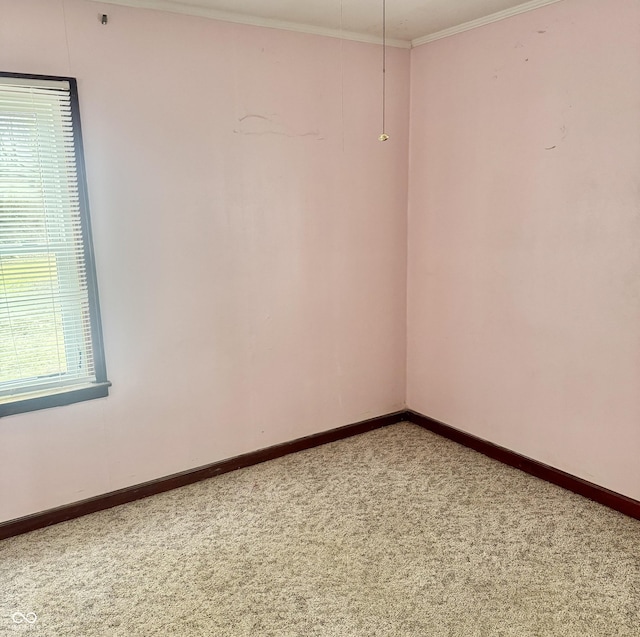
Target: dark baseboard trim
(567,481)
(613,500)
(153,487)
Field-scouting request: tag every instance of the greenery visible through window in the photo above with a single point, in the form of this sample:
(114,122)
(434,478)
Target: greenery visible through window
(50,337)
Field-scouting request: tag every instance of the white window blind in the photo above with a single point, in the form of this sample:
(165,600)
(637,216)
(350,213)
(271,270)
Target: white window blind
(46,329)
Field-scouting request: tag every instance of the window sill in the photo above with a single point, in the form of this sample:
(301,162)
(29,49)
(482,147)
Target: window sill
(10,405)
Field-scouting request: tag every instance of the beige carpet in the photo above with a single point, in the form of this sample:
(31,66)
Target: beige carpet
(395,532)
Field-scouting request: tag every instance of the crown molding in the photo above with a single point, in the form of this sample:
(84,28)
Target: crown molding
(238,18)
(173,6)
(474,24)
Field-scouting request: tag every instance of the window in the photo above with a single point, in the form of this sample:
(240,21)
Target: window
(50,336)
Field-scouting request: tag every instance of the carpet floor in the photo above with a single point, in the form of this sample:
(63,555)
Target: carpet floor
(396,532)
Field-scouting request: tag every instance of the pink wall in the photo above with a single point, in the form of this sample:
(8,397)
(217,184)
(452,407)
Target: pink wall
(251,240)
(524,236)
(250,234)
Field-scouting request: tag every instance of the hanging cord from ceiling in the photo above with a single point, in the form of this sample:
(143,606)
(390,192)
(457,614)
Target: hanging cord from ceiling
(384,137)
(342,71)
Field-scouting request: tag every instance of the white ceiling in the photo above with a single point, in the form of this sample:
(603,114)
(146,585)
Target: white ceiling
(408,21)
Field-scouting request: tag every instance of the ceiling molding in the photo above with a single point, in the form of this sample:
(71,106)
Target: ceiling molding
(238,18)
(474,24)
